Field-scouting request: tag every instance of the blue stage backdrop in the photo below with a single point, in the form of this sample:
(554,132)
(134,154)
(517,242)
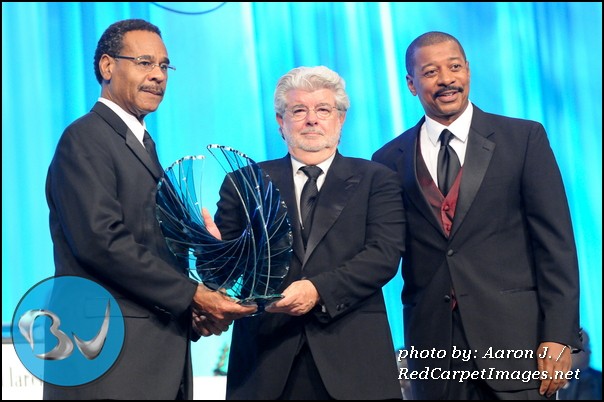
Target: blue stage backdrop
(541,61)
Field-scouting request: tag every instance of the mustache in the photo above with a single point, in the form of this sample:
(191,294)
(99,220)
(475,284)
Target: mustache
(153,89)
(312,131)
(448,89)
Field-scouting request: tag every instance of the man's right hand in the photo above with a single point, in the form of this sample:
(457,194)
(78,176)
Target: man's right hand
(210,224)
(204,326)
(218,307)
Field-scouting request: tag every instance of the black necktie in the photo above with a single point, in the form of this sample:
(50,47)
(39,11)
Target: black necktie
(308,197)
(150,147)
(448,163)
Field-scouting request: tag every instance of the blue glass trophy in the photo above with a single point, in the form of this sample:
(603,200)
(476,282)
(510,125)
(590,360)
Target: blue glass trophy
(249,265)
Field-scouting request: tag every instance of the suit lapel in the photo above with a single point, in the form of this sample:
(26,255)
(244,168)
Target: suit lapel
(141,153)
(478,157)
(341,181)
(280,173)
(131,141)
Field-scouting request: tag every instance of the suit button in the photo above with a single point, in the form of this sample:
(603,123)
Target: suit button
(450,253)
(447,298)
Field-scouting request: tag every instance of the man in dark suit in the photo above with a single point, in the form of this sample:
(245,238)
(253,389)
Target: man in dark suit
(328,337)
(490,269)
(101,189)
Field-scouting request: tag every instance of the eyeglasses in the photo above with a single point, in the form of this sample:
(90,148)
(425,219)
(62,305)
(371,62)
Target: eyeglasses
(300,112)
(145,65)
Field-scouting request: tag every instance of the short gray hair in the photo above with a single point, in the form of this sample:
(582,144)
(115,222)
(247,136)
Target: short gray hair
(311,79)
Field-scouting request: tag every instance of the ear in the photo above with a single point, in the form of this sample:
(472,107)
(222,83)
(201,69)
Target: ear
(410,85)
(280,122)
(106,66)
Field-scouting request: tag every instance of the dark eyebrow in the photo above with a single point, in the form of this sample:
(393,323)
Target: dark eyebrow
(150,58)
(425,66)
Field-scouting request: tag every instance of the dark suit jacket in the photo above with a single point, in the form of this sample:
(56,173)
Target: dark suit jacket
(511,255)
(101,188)
(353,250)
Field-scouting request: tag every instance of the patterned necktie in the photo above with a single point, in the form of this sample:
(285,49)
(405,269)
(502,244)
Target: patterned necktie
(448,163)
(150,147)
(308,197)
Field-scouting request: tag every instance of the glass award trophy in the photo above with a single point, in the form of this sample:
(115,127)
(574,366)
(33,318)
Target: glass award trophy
(249,265)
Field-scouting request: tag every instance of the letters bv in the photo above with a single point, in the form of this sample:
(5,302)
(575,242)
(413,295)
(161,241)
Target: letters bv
(90,349)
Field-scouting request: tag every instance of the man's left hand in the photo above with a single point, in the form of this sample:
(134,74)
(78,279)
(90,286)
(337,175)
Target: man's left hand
(552,357)
(299,298)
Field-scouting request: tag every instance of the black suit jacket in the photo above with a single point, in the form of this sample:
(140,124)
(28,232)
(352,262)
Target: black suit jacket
(101,188)
(353,250)
(511,255)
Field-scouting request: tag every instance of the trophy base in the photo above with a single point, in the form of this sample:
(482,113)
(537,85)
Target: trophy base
(260,301)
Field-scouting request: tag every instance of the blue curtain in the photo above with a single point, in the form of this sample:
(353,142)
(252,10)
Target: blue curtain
(540,61)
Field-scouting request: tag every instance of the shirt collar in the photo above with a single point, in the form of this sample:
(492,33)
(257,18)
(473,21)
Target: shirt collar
(296,164)
(460,127)
(132,122)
